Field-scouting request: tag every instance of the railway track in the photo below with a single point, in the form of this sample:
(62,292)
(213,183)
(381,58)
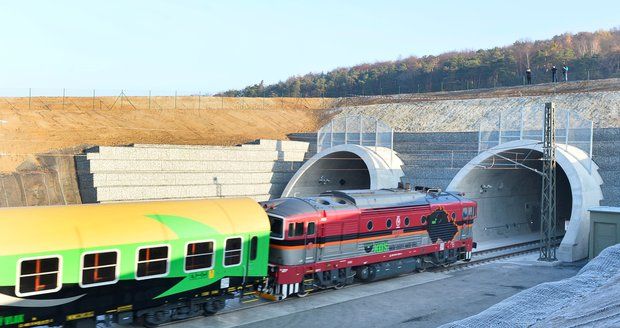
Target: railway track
(492,254)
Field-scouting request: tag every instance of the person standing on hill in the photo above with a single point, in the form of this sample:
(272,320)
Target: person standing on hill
(554,74)
(528,75)
(565,72)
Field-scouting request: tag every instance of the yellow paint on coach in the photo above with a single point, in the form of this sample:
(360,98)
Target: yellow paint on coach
(50,228)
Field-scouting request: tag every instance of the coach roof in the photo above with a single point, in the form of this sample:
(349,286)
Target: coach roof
(50,228)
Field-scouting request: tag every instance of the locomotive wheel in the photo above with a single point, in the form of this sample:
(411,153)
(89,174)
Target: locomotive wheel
(362,273)
(339,286)
(372,272)
(302,294)
(466,260)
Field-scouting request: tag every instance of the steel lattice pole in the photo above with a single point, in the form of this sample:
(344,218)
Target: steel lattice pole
(548,197)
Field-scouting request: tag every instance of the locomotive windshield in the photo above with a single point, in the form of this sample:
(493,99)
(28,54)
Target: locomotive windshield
(277,227)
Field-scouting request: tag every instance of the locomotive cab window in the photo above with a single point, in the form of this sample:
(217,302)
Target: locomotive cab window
(277,227)
(232,251)
(199,256)
(99,268)
(311,228)
(38,276)
(152,262)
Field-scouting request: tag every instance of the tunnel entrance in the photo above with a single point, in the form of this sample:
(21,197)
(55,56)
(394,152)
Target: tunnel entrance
(346,167)
(336,171)
(509,197)
(506,183)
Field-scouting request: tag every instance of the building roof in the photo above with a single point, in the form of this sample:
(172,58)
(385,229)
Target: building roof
(605,209)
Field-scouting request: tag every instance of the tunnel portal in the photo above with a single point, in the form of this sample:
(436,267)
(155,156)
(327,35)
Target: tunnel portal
(506,183)
(346,167)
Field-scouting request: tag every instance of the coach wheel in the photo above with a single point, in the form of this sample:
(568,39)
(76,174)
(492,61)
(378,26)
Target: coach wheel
(301,294)
(154,319)
(466,260)
(214,306)
(84,323)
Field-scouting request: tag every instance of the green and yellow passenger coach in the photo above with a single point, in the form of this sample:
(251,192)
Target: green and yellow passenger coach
(151,262)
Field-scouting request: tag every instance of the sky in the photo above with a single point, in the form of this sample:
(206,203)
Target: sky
(211,46)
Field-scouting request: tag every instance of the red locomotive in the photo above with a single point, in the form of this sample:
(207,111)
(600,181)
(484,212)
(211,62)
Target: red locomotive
(341,236)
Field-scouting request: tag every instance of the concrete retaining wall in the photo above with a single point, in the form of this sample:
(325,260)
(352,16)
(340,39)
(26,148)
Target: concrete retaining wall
(433,159)
(148,172)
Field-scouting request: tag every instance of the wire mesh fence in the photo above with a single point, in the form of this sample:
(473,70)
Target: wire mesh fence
(127,99)
(571,130)
(355,130)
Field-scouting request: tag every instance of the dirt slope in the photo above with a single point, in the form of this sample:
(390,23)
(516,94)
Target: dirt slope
(28,132)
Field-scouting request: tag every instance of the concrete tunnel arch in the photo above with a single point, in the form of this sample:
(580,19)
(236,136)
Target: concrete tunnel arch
(346,167)
(507,198)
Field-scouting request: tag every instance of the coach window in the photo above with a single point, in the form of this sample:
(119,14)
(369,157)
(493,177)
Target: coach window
(407,221)
(38,276)
(199,256)
(369,225)
(253,248)
(232,251)
(99,268)
(388,223)
(152,262)
(311,228)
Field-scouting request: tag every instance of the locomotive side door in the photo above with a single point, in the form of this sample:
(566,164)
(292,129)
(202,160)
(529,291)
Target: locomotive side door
(310,248)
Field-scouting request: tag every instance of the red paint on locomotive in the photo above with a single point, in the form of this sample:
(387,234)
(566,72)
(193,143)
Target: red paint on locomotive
(318,241)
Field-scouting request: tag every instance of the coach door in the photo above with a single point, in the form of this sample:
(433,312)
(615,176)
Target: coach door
(310,248)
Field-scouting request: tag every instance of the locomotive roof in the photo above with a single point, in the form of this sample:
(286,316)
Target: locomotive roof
(362,199)
(365,198)
(50,228)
